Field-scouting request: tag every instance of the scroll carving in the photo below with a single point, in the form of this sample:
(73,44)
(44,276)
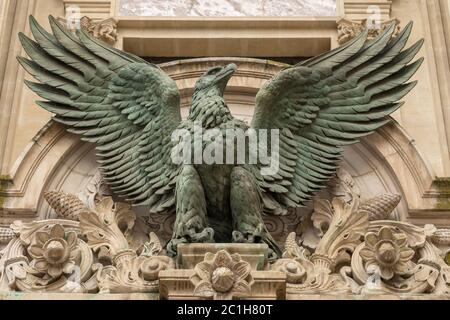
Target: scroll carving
(105,30)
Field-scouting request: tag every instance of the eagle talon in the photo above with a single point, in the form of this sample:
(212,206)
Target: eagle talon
(238,237)
(255,236)
(191,236)
(206,236)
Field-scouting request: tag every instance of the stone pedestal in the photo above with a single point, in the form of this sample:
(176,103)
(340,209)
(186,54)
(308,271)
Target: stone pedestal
(191,254)
(222,270)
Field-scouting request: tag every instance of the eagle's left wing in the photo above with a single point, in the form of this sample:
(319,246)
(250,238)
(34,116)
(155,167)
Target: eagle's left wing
(328,102)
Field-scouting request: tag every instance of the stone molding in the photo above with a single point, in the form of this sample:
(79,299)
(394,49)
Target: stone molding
(357,14)
(13,17)
(94,9)
(436,16)
(364,9)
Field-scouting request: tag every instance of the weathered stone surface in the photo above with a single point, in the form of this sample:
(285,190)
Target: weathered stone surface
(227,8)
(224,274)
(77,296)
(268,285)
(254,254)
(394,260)
(154,296)
(348,29)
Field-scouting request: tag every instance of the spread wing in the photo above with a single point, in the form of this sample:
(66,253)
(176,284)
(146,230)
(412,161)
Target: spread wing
(328,102)
(125,105)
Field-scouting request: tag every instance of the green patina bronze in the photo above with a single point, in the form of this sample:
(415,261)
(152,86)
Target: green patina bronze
(129,109)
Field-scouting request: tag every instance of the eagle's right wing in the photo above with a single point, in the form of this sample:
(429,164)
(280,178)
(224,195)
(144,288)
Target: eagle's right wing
(125,105)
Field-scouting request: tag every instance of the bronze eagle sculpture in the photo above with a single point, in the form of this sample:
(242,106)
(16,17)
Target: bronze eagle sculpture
(129,108)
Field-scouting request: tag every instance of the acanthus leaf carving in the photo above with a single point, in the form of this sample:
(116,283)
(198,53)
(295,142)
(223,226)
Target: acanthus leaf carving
(131,273)
(358,256)
(101,228)
(322,216)
(153,247)
(346,229)
(52,255)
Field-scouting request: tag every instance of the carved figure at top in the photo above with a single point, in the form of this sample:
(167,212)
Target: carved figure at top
(130,109)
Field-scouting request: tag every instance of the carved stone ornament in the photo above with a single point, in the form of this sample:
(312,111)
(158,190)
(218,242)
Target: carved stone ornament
(359,254)
(359,251)
(66,206)
(6,235)
(222,276)
(55,251)
(88,253)
(387,253)
(105,30)
(349,29)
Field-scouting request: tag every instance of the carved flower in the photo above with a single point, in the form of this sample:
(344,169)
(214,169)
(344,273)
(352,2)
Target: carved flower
(54,252)
(387,251)
(223,277)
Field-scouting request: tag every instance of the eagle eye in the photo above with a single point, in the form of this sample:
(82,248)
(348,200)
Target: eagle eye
(214,71)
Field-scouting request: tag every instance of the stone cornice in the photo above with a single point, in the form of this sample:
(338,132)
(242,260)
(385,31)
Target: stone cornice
(94,9)
(364,9)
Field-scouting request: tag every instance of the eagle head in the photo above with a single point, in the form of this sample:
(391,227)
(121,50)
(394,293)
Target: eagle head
(214,81)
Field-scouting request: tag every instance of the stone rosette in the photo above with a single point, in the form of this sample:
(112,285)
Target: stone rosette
(387,253)
(222,276)
(54,252)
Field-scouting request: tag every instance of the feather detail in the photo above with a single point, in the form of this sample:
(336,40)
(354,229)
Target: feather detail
(125,105)
(331,101)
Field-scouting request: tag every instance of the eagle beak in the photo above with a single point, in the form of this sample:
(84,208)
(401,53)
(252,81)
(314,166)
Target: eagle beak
(227,72)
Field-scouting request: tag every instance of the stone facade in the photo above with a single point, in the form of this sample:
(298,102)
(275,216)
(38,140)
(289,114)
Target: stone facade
(397,180)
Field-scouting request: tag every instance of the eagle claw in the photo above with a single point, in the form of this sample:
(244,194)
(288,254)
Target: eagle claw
(191,236)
